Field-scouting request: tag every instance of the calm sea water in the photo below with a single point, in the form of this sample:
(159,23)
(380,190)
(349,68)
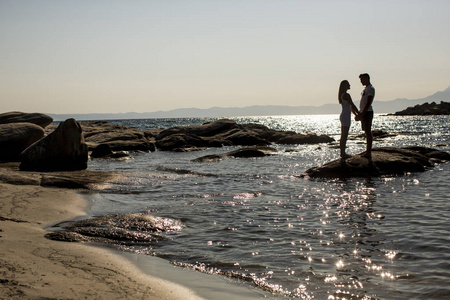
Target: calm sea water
(383,238)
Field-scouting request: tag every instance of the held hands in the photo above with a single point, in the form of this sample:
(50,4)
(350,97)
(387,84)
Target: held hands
(358,117)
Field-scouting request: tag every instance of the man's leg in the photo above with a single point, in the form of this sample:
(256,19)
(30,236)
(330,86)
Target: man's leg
(367,127)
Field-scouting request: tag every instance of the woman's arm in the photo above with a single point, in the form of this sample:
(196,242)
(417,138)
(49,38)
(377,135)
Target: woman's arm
(353,107)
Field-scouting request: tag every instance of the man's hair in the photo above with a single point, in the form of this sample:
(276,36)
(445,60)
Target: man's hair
(364,75)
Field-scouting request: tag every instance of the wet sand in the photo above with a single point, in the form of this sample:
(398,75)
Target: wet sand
(33,267)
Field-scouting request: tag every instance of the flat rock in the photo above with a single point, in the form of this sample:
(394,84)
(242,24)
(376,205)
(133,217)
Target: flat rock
(39,119)
(16,137)
(83,179)
(247,152)
(384,161)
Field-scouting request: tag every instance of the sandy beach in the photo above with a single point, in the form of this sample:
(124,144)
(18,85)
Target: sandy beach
(33,267)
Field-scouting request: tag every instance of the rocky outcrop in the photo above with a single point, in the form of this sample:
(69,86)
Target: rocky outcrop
(63,149)
(227,133)
(258,151)
(384,161)
(16,137)
(117,137)
(21,117)
(426,109)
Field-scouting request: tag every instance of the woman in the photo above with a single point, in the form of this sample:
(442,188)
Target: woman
(347,108)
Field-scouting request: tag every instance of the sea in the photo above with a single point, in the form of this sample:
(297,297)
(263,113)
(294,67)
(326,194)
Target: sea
(263,227)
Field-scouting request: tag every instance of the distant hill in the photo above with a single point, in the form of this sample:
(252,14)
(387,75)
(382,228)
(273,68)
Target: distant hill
(257,110)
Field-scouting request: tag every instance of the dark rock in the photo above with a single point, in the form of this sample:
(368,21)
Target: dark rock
(426,109)
(306,138)
(16,137)
(377,134)
(384,161)
(178,141)
(227,132)
(63,149)
(101,150)
(104,151)
(152,133)
(258,151)
(20,117)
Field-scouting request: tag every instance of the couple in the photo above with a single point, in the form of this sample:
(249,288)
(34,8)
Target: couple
(365,113)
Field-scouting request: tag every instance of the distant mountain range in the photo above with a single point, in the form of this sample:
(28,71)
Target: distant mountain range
(257,110)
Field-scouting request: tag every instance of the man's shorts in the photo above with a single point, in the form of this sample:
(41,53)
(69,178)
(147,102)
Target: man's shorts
(366,121)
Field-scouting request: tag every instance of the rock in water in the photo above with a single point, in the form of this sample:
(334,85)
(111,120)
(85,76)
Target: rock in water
(16,137)
(21,117)
(384,161)
(63,149)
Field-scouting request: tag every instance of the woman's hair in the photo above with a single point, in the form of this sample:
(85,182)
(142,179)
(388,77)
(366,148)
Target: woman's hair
(343,87)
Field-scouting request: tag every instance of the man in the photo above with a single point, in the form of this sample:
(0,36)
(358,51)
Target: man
(366,112)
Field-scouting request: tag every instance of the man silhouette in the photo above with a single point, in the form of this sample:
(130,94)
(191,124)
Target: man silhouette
(366,112)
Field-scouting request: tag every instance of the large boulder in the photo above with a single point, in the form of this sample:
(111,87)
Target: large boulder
(21,117)
(63,149)
(384,161)
(16,137)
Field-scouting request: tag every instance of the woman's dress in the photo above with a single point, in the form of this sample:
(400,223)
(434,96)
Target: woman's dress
(345,113)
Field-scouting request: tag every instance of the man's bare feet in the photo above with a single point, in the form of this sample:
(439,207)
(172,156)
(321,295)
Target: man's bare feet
(366,154)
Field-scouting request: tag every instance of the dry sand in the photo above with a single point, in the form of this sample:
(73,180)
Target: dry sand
(33,267)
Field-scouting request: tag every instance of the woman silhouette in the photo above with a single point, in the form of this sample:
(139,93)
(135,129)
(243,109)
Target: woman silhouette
(347,108)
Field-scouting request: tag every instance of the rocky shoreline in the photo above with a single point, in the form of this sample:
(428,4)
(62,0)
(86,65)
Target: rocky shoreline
(426,109)
(65,149)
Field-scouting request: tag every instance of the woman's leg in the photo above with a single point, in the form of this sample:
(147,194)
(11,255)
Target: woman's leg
(343,141)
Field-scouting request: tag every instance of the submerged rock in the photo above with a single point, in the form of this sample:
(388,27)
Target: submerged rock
(83,179)
(384,161)
(138,229)
(258,151)
(63,149)
(377,134)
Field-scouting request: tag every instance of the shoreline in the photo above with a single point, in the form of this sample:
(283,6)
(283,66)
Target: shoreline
(32,266)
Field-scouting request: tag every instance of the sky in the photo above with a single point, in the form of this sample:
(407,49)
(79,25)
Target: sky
(110,56)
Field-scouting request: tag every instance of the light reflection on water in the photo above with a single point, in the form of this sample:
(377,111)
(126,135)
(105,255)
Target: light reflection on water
(384,238)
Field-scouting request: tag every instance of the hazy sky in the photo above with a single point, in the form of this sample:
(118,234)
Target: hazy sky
(81,56)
